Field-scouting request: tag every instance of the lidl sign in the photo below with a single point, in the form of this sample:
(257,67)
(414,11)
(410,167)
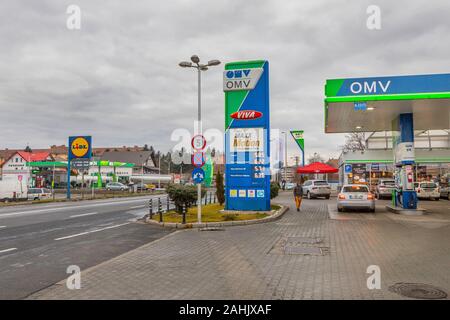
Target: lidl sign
(247,135)
(80,147)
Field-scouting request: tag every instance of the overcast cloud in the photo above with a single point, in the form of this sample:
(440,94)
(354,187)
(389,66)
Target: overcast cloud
(117,78)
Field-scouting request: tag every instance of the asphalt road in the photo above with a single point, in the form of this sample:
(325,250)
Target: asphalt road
(39,242)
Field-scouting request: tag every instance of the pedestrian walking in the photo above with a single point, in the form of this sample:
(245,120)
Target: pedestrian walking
(298,195)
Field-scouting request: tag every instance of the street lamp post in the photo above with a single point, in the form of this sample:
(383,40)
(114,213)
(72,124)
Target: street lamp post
(285,155)
(200,67)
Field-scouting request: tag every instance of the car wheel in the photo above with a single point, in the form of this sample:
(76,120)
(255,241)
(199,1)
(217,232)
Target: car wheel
(372,210)
(437,199)
(308,195)
(448,196)
(340,209)
(327,197)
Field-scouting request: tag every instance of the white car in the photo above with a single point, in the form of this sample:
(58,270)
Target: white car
(289,185)
(39,193)
(355,196)
(427,190)
(316,189)
(385,188)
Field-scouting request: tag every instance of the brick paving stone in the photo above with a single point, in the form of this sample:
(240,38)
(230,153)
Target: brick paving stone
(247,262)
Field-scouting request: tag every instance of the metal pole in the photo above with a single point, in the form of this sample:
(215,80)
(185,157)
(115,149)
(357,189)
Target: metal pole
(199,186)
(285,156)
(53,182)
(68,178)
(159,171)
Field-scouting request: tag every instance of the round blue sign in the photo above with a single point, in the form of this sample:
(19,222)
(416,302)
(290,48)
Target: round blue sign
(198,175)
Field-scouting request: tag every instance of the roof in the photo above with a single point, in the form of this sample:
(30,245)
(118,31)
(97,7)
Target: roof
(136,157)
(34,156)
(371,104)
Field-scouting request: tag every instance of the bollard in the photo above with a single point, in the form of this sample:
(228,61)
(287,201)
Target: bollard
(184,213)
(215,198)
(150,208)
(160,210)
(168,203)
(210,197)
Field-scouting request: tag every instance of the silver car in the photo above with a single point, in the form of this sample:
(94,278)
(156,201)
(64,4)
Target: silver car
(385,188)
(355,196)
(316,188)
(116,186)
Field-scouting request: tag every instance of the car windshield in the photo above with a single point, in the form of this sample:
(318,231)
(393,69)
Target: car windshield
(355,189)
(32,191)
(388,183)
(428,185)
(320,183)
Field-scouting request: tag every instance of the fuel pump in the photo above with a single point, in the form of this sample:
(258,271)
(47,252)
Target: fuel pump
(408,194)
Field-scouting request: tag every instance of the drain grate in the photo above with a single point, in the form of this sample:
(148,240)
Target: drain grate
(418,291)
(302,250)
(303,240)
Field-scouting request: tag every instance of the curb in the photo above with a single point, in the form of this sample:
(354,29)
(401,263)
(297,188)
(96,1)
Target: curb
(175,225)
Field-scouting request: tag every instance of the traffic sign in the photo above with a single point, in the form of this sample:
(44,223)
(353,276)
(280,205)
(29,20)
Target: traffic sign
(198,142)
(198,159)
(198,175)
(348,168)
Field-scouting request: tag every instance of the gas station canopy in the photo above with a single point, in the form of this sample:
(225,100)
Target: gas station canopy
(372,104)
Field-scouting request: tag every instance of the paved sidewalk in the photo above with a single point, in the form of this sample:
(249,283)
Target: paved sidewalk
(248,262)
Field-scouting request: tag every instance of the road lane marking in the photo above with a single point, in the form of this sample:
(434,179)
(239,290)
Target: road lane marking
(8,250)
(1,227)
(83,214)
(6,215)
(137,207)
(88,232)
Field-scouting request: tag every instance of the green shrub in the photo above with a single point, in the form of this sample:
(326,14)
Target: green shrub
(274,188)
(220,189)
(183,195)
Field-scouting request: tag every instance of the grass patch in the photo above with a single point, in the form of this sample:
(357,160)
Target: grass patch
(210,213)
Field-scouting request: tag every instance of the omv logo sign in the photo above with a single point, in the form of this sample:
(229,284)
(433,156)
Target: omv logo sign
(237,74)
(241,79)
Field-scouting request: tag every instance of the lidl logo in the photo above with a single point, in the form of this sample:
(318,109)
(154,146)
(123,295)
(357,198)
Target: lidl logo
(246,115)
(79,147)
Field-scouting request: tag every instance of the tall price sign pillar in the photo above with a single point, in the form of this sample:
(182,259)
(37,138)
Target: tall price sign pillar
(247,136)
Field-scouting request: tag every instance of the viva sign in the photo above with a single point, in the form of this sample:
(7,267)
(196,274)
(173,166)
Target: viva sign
(247,136)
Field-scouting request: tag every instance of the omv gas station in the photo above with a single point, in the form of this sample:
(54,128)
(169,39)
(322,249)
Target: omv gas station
(403,105)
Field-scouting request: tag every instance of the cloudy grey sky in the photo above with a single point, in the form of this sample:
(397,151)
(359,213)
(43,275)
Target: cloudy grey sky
(117,78)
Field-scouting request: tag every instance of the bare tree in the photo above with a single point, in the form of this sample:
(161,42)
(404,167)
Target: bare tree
(315,158)
(355,141)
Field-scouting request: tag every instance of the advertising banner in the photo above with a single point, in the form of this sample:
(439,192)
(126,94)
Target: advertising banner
(247,135)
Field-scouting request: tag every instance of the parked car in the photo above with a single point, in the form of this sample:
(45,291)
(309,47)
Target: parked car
(385,188)
(289,186)
(445,192)
(116,186)
(355,196)
(427,190)
(39,193)
(316,189)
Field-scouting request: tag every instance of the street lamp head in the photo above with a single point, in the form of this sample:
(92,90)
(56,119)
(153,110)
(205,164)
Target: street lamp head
(195,59)
(213,62)
(203,68)
(185,64)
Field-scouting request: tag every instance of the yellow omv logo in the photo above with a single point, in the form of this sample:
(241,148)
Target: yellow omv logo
(79,147)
